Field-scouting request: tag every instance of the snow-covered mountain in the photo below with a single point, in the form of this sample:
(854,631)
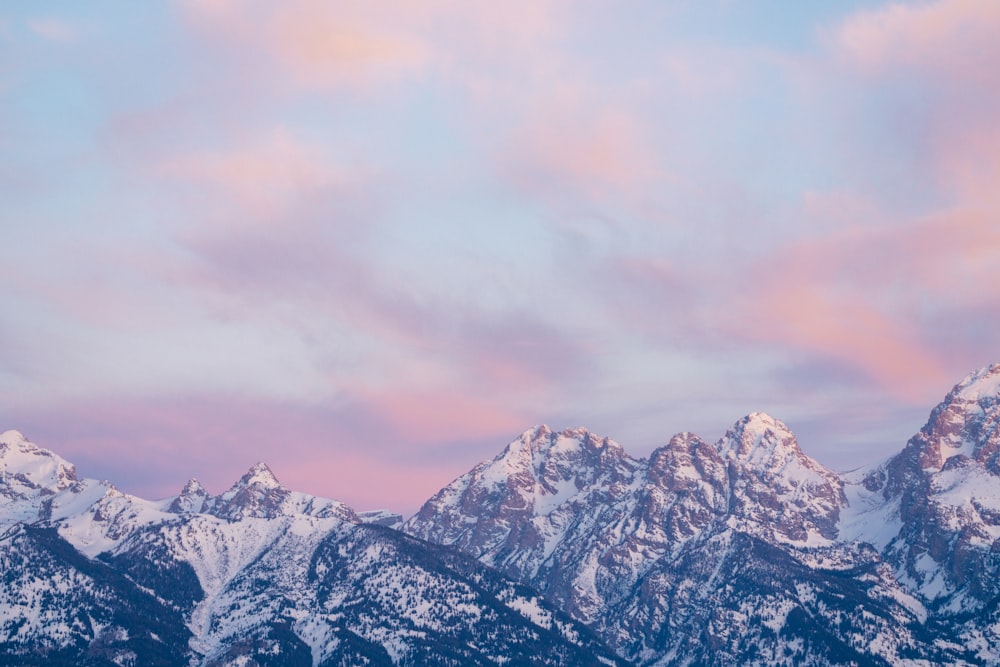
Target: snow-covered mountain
(562,550)
(258,575)
(748,551)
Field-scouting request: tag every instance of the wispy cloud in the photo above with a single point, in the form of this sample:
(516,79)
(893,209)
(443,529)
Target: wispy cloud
(53,29)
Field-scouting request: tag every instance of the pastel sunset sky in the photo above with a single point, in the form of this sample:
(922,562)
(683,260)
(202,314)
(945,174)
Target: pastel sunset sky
(370,243)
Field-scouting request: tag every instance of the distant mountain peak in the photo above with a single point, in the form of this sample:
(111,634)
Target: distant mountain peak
(193,487)
(965,423)
(760,439)
(26,468)
(257,493)
(979,385)
(192,498)
(12,437)
(259,475)
(539,447)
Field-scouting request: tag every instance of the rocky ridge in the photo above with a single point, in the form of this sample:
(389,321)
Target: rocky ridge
(649,545)
(743,551)
(258,575)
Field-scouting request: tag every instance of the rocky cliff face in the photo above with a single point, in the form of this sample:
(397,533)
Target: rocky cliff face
(946,485)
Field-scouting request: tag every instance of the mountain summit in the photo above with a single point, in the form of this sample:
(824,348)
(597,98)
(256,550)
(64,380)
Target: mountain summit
(28,470)
(965,424)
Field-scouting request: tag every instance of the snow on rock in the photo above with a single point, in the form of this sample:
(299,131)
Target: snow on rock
(965,424)
(28,471)
(776,487)
(381,517)
(191,499)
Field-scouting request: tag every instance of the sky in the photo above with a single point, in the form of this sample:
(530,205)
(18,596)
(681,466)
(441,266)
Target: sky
(369,243)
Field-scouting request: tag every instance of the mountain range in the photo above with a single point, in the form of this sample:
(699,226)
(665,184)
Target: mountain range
(562,550)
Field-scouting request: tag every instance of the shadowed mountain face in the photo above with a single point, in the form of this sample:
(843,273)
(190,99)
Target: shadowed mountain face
(563,550)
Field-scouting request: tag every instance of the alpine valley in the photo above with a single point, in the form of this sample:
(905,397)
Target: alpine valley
(562,550)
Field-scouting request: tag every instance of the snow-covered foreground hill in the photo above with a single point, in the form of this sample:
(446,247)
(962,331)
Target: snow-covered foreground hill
(562,550)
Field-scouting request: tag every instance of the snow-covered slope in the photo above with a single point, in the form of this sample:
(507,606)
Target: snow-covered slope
(749,550)
(258,575)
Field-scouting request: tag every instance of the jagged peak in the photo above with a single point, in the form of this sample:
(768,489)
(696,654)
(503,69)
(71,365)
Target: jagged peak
(684,444)
(963,424)
(575,442)
(192,498)
(759,438)
(193,488)
(542,439)
(685,457)
(684,440)
(978,385)
(12,437)
(542,454)
(259,475)
(538,431)
(34,467)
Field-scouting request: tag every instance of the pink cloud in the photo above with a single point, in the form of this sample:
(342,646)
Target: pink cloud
(264,176)
(948,51)
(567,145)
(428,416)
(956,38)
(848,326)
(873,297)
(316,44)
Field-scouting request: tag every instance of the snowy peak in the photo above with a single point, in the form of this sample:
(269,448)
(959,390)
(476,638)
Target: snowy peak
(965,424)
(777,492)
(257,494)
(686,459)
(980,385)
(191,500)
(259,475)
(540,486)
(687,489)
(545,458)
(12,437)
(542,441)
(193,488)
(759,440)
(27,470)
